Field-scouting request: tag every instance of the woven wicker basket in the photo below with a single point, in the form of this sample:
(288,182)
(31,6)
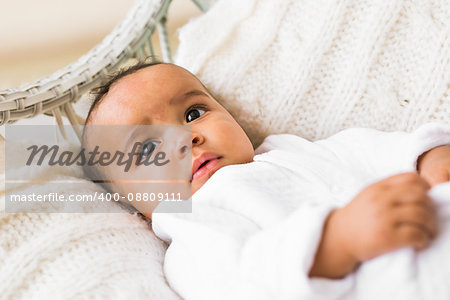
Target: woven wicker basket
(54,95)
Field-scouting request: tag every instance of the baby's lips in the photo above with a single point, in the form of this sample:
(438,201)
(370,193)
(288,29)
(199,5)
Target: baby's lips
(200,160)
(207,167)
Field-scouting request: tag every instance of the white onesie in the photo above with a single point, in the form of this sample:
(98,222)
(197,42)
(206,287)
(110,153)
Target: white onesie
(255,227)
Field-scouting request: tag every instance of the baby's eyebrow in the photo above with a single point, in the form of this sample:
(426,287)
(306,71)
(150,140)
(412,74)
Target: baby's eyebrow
(187,95)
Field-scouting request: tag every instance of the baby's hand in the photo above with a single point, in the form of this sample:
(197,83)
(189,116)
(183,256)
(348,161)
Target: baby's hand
(434,165)
(387,215)
(390,214)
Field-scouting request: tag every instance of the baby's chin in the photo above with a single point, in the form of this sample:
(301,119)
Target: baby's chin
(197,183)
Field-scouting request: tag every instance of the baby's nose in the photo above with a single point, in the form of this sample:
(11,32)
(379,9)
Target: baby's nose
(184,148)
(197,139)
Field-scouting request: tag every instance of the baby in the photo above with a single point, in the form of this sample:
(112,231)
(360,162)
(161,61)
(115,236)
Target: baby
(297,212)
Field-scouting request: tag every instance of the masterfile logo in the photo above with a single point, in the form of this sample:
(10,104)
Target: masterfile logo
(130,163)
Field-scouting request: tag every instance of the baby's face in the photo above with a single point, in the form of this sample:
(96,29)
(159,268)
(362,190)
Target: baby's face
(170,95)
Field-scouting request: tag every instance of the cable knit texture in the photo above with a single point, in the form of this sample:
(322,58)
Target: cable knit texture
(110,255)
(315,67)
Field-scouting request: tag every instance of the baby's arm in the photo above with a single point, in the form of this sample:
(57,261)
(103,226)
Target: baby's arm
(392,213)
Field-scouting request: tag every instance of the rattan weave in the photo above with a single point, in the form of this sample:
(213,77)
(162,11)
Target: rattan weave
(54,95)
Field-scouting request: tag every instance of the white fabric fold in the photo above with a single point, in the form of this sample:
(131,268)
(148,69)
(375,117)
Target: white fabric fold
(255,228)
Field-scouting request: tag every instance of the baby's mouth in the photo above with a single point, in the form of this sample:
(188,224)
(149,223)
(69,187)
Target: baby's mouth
(203,165)
(205,168)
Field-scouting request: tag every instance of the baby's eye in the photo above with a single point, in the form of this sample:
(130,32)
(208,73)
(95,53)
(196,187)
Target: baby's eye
(148,147)
(194,113)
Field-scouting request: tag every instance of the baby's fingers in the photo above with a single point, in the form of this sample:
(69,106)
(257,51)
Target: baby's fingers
(415,195)
(406,180)
(417,215)
(411,235)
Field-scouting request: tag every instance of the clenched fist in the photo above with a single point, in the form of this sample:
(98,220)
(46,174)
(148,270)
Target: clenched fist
(392,213)
(387,215)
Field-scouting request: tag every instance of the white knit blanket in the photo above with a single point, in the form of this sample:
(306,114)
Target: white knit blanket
(104,253)
(315,67)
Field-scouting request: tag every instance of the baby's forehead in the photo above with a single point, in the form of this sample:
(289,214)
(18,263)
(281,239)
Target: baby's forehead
(157,79)
(146,92)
